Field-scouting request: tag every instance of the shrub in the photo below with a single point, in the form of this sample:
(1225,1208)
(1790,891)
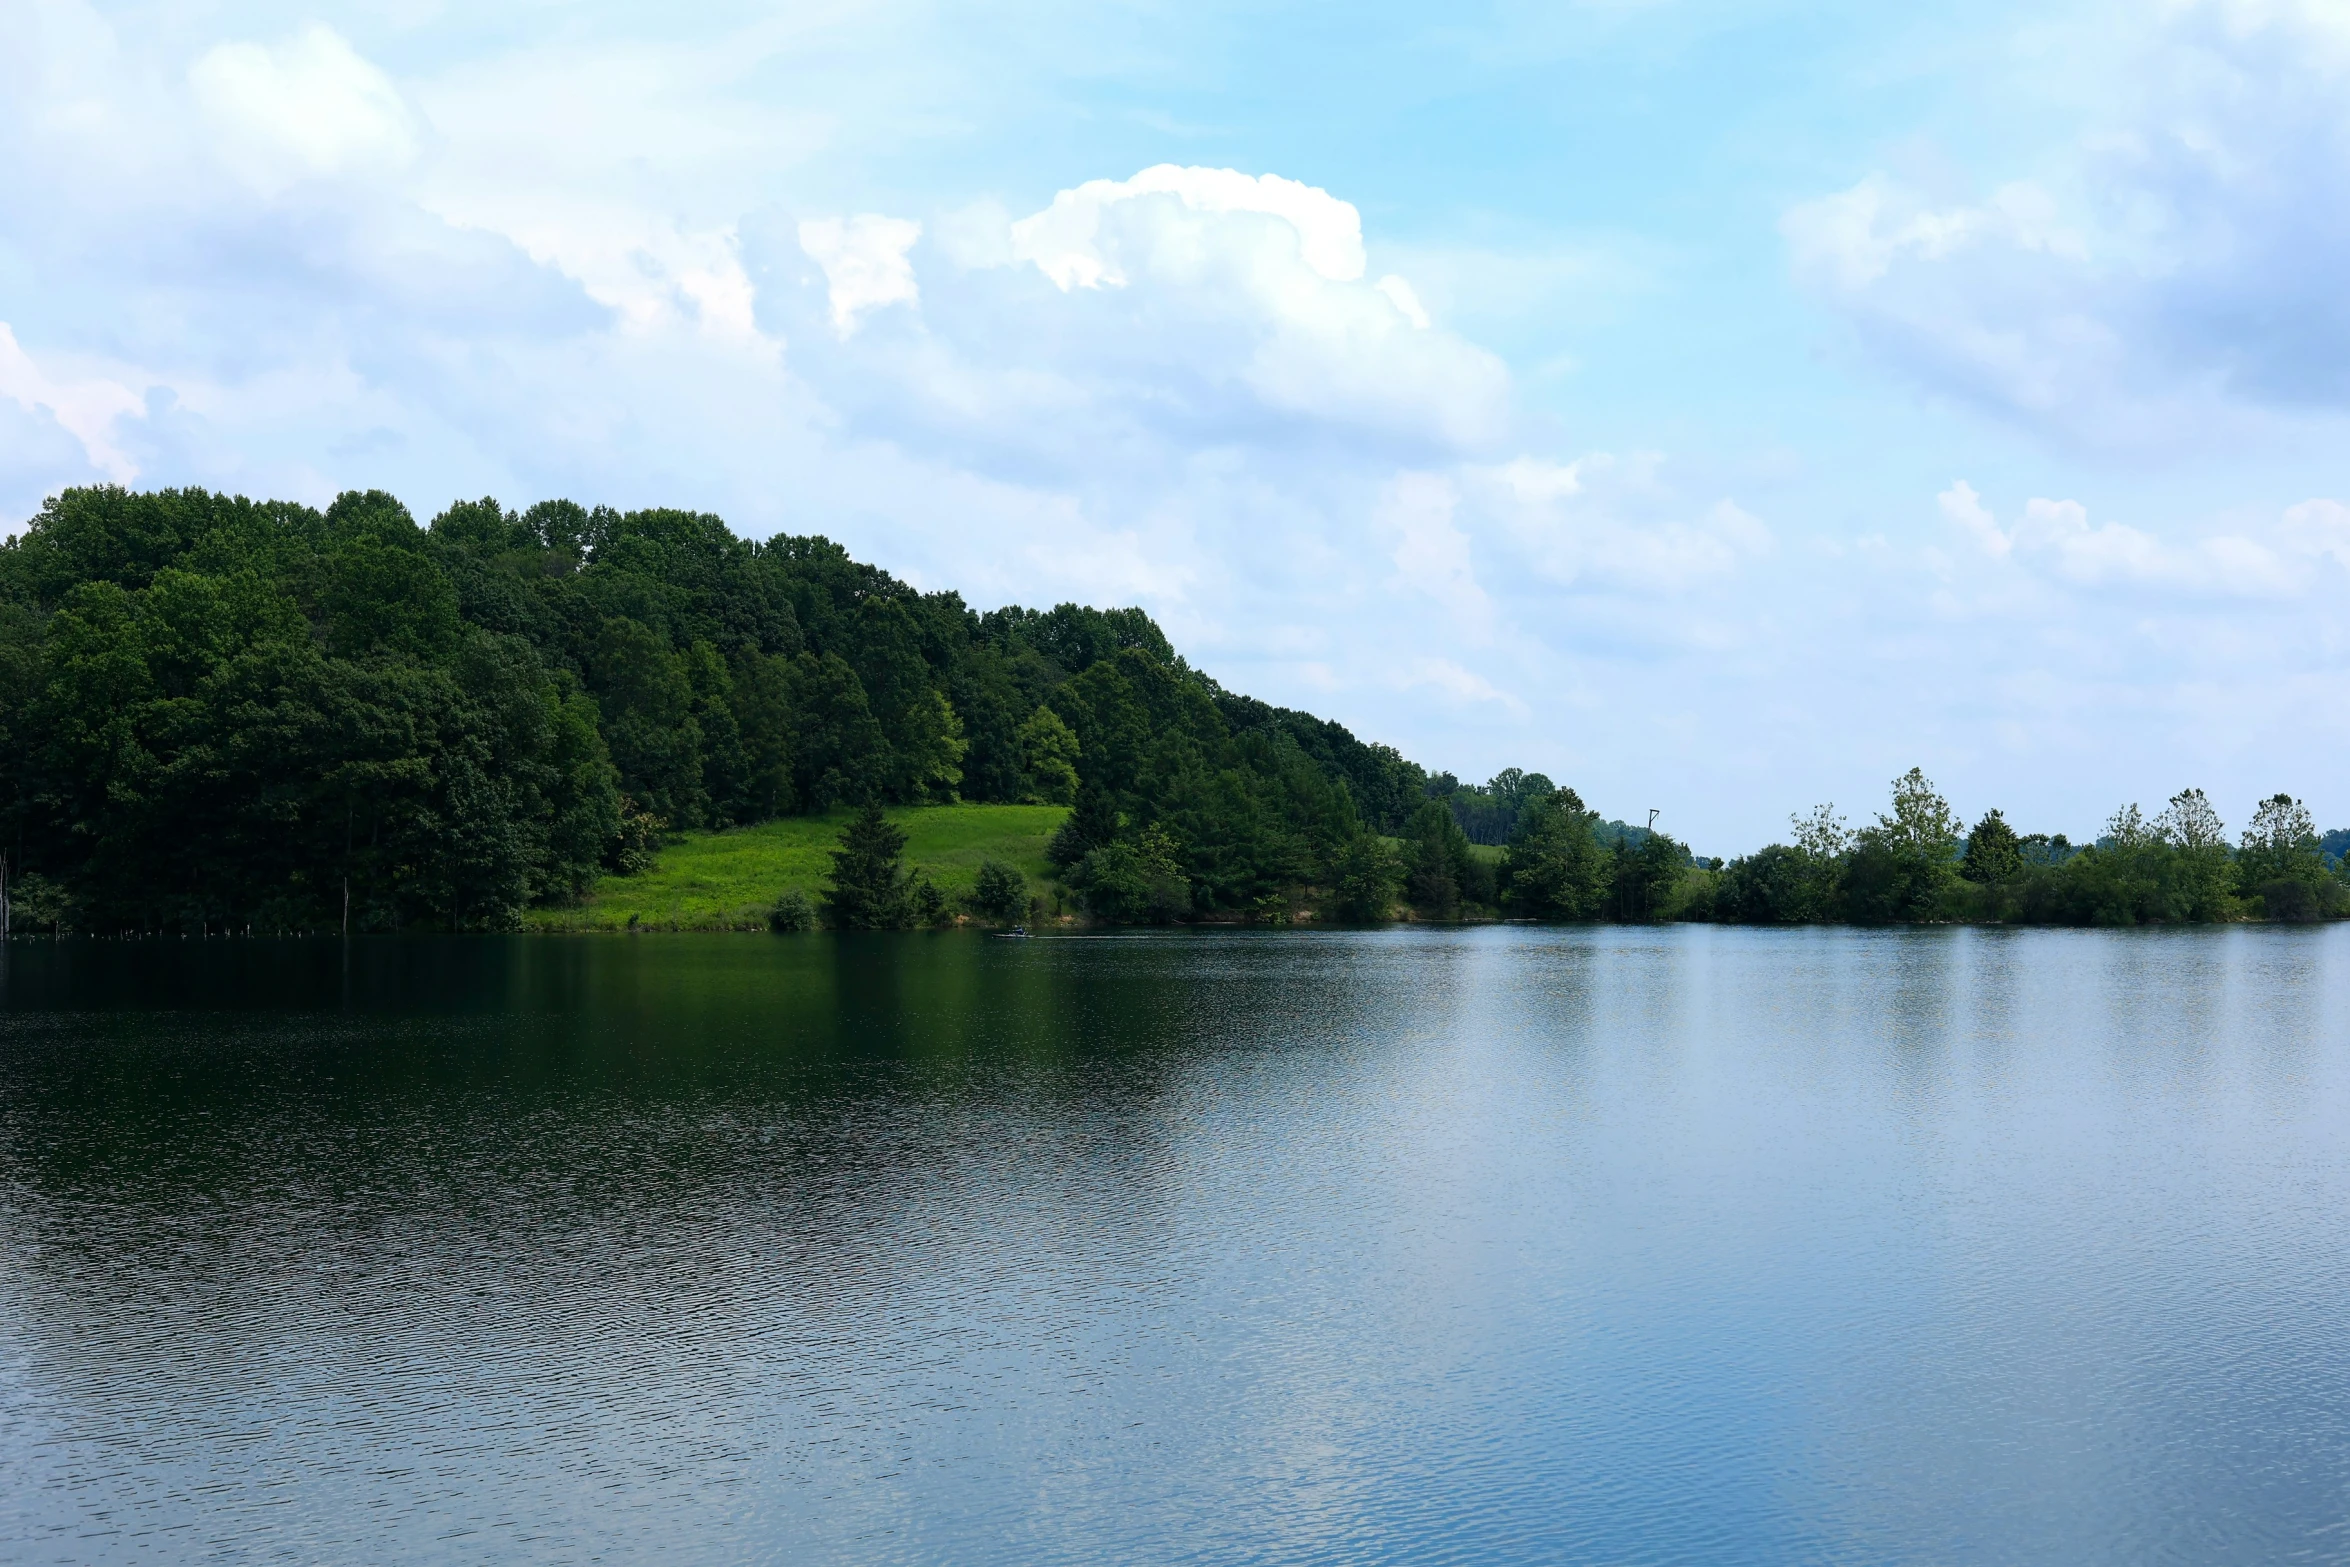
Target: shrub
(1000,892)
(793,911)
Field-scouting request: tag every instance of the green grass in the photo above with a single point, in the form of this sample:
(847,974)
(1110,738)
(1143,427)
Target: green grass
(728,880)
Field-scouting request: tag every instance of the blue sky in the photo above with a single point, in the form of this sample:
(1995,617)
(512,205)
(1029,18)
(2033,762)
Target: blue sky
(1721,407)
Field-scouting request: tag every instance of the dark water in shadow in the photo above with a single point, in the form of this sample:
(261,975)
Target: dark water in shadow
(1503,1245)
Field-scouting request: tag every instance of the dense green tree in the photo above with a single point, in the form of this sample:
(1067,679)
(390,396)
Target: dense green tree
(2206,877)
(1439,870)
(837,750)
(2279,863)
(1902,866)
(1365,877)
(1642,876)
(1137,879)
(1555,867)
(1992,851)
(1048,757)
(1775,885)
(1092,825)
(869,883)
(999,892)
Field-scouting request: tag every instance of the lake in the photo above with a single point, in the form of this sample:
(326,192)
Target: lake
(1672,1245)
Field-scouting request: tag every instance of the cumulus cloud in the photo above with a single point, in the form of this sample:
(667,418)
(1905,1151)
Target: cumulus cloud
(2172,274)
(1431,553)
(1076,240)
(2056,540)
(865,263)
(86,408)
(1180,310)
(1601,521)
(306,107)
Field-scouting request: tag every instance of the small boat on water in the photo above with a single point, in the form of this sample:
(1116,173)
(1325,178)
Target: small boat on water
(1016,933)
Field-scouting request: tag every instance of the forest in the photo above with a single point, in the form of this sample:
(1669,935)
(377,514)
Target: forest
(222,715)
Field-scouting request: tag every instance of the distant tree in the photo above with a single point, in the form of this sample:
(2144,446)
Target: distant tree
(2205,875)
(1643,875)
(1555,867)
(1048,759)
(1992,852)
(869,889)
(1772,886)
(1092,825)
(1364,878)
(999,892)
(1436,861)
(2279,862)
(1900,866)
(1141,879)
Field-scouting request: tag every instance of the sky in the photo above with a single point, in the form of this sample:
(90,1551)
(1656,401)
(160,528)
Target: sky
(1719,407)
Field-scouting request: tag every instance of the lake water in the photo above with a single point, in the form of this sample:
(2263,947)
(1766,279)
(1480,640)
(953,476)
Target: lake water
(1423,1245)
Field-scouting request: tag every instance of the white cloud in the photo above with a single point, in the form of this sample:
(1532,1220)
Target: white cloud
(2055,539)
(1075,241)
(85,408)
(1399,293)
(628,169)
(306,107)
(865,263)
(1181,309)
(1457,683)
(1432,554)
(1965,510)
(2171,278)
(1601,521)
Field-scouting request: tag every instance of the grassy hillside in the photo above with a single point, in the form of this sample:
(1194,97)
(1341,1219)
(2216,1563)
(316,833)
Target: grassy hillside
(727,880)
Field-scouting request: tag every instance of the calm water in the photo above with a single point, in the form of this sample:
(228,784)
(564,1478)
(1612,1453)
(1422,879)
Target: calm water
(1501,1245)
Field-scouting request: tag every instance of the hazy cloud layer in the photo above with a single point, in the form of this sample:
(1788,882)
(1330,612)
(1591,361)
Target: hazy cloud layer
(2175,275)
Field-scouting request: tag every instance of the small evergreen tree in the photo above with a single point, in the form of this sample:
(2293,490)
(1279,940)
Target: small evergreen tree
(868,879)
(1437,856)
(1993,852)
(1092,825)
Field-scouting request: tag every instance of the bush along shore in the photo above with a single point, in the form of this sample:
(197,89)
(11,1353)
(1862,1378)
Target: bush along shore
(220,715)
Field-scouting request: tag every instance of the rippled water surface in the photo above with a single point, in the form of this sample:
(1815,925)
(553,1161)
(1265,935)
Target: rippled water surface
(1497,1245)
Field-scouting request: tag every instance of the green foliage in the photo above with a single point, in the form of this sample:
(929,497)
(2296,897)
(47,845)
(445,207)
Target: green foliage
(1137,879)
(1901,866)
(1439,871)
(1048,759)
(1775,885)
(216,713)
(2279,863)
(728,879)
(1555,867)
(999,892)
(868,875)
(223,714)
(1365,878)
(1644,875)
(793,911)
(1993,852)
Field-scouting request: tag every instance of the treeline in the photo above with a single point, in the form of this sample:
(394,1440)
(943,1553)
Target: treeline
(1917,862)
(221,714)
